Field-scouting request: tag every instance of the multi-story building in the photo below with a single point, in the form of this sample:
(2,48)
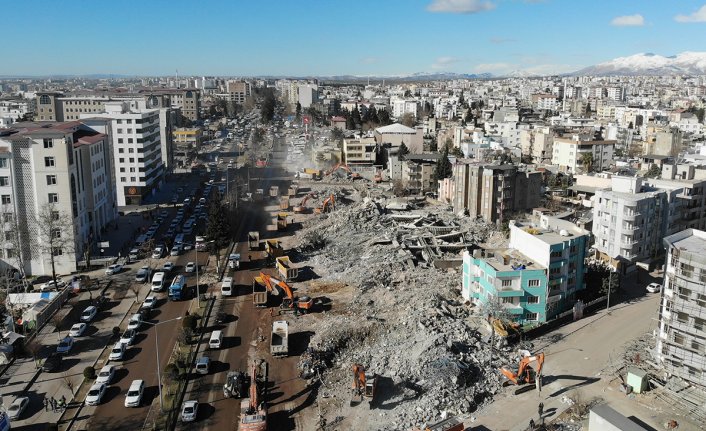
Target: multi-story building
(681,345)
(537,143)
(188,100)
(57,170)
(185,136)
(418,172)
(307,94)
(400,107)
(494,192)
(359,151)
(237,91)
(396,134)
(137,150)
(534,279)
(569,153)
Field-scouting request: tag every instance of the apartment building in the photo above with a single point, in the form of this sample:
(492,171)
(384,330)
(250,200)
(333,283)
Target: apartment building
(188,100)
(681,345)
(536,277)
(569,152)
(537,143)
(360,151)
(238,91)
(494,192)
(135,132)
(185,136)
(401,106)
(418,172)
(396,134)
(57,169)
(307,94)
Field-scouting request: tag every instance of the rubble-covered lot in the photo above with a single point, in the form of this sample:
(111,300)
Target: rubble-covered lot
(394,313)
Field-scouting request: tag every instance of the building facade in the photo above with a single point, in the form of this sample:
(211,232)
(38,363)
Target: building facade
(569,153)
(681,345)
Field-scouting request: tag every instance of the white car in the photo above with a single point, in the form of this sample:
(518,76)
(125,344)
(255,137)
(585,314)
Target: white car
(133,398)
(78,329)
(89,313)
(128,337)
(17,407)
(150,302)
(135,322)
(143,274)
(65,345)
(52,285)
(168,266)
(190,267)
(157,253)
(654,287)
(117,353)
(189,411)
(106,374)
(113,269)
(176,250)
(95,394)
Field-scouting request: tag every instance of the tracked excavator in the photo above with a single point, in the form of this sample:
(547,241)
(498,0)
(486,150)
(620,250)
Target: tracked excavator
(301,305)
(364,385)
(301,208)
(328,205)
(254,412)
(351,174)
(529,371)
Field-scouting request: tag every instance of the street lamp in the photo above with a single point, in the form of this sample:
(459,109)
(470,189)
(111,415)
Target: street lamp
(156,349)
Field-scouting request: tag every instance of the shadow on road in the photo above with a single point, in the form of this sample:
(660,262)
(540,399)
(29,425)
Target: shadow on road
(583,382)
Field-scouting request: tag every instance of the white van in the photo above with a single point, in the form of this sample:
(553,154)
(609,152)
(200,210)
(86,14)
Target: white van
(157,282)
(133,398)
(215,341)
(227,286)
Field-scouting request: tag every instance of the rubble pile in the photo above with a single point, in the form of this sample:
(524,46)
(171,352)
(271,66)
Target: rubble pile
(406,321)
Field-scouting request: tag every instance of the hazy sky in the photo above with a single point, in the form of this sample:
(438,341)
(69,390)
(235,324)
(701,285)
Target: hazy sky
(334,37)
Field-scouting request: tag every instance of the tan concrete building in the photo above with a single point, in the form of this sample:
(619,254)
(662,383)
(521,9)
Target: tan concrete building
(359,151)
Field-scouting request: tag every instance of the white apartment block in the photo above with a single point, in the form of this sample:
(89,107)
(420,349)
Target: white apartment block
(308,94)
(53,168)
(403,106)
(137,150)
(681,345)
(538,143)
(568,153)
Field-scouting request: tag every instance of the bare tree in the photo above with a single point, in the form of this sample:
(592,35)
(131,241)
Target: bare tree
(56,234)
(33,348)
(66,377)
(13,237)
(57,319)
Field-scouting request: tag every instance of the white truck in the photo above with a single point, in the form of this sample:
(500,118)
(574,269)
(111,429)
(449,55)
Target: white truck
(280,338)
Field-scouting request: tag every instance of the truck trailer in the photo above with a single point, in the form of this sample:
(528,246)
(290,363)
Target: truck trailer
(254,240)
(285,269)
(280,338)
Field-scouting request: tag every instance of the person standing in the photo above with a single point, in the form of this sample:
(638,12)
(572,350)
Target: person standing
(46,405)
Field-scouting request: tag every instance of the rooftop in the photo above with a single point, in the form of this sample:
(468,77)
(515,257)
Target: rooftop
(508,259)
(396,128)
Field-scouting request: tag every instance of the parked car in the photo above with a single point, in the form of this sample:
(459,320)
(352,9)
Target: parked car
(89,313)
(78,329)
(133,398)
(190,267)
(118,351)
(128,337)
(52,363)
(113,269)
(52,285)
(176,250)
(168,266)
(95,394)
(17,407)
(157,253)
(150,302)
(135,322)
(143,274)
(65,345)
(203,365)
(654,287)
(106,374)
(189,411)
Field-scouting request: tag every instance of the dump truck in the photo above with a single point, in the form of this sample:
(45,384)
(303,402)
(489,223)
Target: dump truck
(281,221)
(285,269)
(280,338)
(284,203)
(273,248)
(236,385)
(274,191)
(259,292)
(315,174)
(258,196)
(292,191)
(253,240)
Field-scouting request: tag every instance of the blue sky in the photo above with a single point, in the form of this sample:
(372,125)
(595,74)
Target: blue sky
(333,37)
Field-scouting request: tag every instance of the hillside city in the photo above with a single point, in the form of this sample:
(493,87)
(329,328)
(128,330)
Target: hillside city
(431,252)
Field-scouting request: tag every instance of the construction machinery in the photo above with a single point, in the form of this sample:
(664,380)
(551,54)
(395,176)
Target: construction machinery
(279,343)
(253,415)
(274,192)
(284,203)
(299,305)
(302,205)
(273,248)
(282,221)
(327,205)
(285,268)
(259,292)
(364,385)
(235,385)
(526,373)
(292,191)
(351,174)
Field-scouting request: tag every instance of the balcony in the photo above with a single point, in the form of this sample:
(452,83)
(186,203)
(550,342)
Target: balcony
(631,228)
(632,215)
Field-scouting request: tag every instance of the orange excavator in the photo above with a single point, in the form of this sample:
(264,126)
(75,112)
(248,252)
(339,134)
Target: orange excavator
(254,416)
(526,374)
(329,202)
(363,385)
(353,175)
(300,305)
(302,205)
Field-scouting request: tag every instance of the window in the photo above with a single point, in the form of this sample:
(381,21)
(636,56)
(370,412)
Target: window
(120,121)
(506,283)
(48,143)
(508,300)
(49,162)
(5,199)
(55,215)
(53,198)
(44,100)
(556,254)
(121,150)
(533,283)
(56,233)
(3,163)
(122,169)
(120,140)
(120,130)
(121,160)
(51,180)
(122,179)
(130,141)
(8,235)
(7,217)
(531,316)
(4,181)
(533,300)
(57,251)
(131,150)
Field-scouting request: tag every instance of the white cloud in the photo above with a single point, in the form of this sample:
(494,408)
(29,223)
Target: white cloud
(444,62)
(460,6)
(492,67)
(698,16)
(508,69)
(636,20)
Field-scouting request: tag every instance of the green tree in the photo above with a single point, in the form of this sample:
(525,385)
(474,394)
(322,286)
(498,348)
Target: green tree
(269,103)
(337,134)
(461,100)
(350,124)
(443,168)
(217,226)
(587,162)
(469,116)
(653,172)
(408,119)
(456,151)
(433,145)
(402,151)
(384,117)
(298,111)
(355,115)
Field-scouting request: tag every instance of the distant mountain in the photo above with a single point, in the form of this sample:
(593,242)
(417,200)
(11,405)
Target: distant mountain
(686,63)
(419,76)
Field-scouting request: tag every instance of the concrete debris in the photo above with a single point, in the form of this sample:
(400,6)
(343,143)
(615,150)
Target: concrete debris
(405,319)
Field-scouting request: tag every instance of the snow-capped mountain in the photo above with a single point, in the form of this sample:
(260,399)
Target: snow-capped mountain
(686,63)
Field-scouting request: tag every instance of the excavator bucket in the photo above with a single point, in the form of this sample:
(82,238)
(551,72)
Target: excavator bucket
(356,399)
